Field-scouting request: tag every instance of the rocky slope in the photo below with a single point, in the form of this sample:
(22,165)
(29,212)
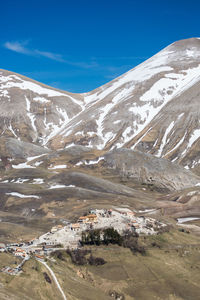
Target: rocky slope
(150,170)
(13,148)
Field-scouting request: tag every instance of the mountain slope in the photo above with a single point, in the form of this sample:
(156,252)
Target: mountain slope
(32,111)
(145,108)
(150,170)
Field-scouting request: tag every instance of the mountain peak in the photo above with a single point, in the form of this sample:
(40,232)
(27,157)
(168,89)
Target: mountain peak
(187,48)
(191,42)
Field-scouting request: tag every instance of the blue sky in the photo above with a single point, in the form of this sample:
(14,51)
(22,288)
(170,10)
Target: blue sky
(79,45)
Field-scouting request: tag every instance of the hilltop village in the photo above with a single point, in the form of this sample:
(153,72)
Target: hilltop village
(69,236)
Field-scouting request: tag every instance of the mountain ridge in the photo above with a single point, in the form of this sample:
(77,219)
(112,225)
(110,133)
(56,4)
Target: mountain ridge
(132,111)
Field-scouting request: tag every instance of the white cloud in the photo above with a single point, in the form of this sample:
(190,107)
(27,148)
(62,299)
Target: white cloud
(92,63)
(50,55)
(20,47)
(17,47)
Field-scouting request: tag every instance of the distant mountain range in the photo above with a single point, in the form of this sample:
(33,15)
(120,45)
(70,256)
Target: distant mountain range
(153,108)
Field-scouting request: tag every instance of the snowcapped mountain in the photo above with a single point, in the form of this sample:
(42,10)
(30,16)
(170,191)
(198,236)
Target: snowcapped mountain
(48,175)
(153,108)
(32,111)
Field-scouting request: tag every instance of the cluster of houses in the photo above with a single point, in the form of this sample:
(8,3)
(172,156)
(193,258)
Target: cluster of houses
(56,228)
(89,220)
(120,219)
(20,253)
(11,271)
(68,236)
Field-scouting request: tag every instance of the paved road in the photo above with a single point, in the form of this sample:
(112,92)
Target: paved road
(54,277)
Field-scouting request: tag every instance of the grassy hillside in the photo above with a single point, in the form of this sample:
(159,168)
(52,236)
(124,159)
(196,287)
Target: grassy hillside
(170,270)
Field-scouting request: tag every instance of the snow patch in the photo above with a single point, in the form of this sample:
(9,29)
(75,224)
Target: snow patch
(22,166)
(38,181)
(28,85)
(184,220)
(30,115)
(41,99)
(58,167)
(177,145)
(163,143)
(195,135)
(20,180)
(15,194)
(191,193)
(57,186)
(38,163)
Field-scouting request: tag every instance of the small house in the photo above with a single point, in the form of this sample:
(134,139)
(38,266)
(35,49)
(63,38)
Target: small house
(92,211)
(136,226)
(39,256)
(92,218)
(82,219)
(75,227)
(54,229)
(2,247)
(59,227)
(130,213)
(110,212)
(20,252)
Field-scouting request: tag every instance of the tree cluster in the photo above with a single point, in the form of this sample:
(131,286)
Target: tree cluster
(130,240)
(78,257)
(98,237)
(58,254)
(111,236)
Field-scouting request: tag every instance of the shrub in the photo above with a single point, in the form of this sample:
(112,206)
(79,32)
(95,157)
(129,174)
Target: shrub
(164,229)
(131,241)
(78,256)
(58,254)
(115,295)
(46,277)
(155,244)
(96,261)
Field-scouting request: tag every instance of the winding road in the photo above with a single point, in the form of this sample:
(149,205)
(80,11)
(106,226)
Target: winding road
(54,277)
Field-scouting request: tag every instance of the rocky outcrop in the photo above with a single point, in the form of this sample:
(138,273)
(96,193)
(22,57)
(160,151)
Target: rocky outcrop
(150,170)
(13,148)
